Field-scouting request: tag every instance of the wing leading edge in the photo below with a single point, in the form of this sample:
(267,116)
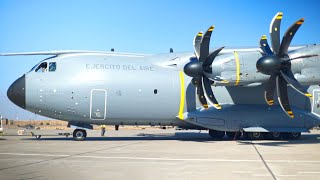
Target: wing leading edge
(58,53)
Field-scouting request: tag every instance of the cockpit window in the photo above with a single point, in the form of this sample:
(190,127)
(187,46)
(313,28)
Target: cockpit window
(52,66)
(42,67)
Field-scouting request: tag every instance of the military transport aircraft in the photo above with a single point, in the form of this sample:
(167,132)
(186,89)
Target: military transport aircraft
(235,88)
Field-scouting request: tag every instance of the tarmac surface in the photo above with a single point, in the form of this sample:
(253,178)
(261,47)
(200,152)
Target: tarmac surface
(157,154)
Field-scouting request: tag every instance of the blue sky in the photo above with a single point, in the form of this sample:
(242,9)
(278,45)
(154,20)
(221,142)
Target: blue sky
(141,26)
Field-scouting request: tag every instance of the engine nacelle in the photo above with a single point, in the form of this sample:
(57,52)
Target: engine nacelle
(239,68)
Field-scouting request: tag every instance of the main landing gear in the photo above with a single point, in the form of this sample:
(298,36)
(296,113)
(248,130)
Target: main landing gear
(272,135)
(255,135)
(79,134)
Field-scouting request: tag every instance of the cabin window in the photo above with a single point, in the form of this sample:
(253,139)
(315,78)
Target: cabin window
(52,66)
(42,67)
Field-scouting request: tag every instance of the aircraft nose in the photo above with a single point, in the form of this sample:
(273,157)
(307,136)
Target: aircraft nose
(17,92)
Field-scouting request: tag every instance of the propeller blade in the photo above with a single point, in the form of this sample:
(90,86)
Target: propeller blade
(270,88)
(211,57)
(209,94)
(305,56)
(201,97)
(196,44)
(204,46)
(288,36)
(292,81)
(275,32)
(265,46)
(282,93)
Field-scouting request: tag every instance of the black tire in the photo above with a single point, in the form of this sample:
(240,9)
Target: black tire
(216,134)
(79,135)
(255,135)
(293,135)
(274,135)
(233,135)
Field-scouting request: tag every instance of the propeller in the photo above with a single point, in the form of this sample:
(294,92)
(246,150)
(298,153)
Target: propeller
(277,64)
(198,68)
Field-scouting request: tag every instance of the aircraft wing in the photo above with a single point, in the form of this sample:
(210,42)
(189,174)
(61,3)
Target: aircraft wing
(65,52)
(57,53)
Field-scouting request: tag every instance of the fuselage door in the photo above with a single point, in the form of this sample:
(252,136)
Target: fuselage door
(98,104)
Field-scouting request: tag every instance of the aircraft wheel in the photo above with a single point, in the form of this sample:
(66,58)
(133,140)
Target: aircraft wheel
(235,135)
(255,135)
(293,135)
(216,134)
(274,135)
(79,134)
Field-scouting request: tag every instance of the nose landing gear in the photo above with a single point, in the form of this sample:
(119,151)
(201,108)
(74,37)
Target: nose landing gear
(79,134)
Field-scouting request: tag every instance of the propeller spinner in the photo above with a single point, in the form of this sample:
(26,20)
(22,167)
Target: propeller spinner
(277,64)
(201,66)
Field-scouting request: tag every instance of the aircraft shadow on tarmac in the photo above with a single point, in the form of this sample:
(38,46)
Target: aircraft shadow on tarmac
(305,139)
(196,137)
(187,136)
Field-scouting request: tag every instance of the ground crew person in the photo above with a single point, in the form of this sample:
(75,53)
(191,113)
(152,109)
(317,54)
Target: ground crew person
(103,129)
